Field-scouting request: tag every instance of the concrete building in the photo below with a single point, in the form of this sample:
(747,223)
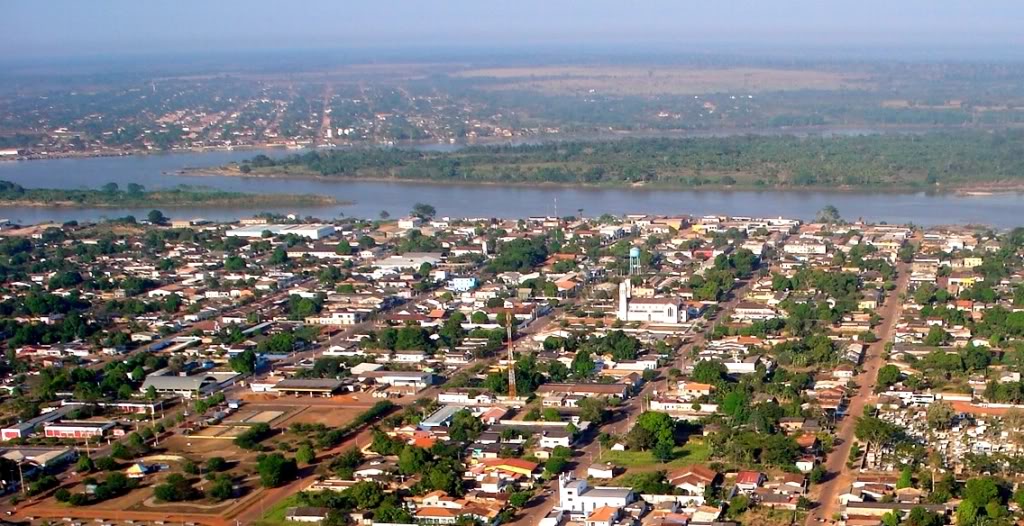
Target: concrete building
(441,417)
(312,231)
(579,499)
(462,284)
(415,379)
(27,428)
(346,317)
(665,311)
(322,387)
(191,386)
(411,261)
(77,429)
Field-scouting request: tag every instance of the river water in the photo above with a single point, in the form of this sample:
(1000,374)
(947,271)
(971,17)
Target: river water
(369,198)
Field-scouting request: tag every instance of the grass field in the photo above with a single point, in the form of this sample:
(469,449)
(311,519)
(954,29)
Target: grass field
(770,517)
(692,452)
(275,515)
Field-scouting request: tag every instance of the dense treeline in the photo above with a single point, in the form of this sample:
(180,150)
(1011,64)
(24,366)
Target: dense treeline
(135,195)
(765,161)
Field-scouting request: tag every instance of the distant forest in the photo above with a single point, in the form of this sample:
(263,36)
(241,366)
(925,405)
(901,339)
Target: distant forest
(908,161)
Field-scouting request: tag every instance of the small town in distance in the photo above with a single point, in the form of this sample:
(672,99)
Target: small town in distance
(601,371)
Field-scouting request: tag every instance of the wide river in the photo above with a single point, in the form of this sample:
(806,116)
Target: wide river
(369,198)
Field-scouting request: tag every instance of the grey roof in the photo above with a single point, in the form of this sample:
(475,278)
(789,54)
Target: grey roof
(396,374)
(902,506)
(441,416)
(316,384)
(180,383)
(608,493)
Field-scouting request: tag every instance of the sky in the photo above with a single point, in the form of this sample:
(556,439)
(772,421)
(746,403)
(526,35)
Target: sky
(58,28)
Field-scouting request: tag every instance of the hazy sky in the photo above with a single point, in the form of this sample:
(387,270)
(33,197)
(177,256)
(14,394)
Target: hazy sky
(75,27)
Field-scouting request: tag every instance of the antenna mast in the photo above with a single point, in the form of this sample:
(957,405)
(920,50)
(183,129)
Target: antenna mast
(511,358)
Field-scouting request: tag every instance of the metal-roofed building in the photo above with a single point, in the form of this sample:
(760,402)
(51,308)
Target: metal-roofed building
(312,231)
(324,387)
(441,417)
(188,386)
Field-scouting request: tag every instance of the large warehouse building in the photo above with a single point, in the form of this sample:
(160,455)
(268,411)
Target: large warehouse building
(312,231)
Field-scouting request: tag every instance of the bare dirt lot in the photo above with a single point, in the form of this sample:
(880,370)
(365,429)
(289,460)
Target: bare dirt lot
(330,417)
(665,80)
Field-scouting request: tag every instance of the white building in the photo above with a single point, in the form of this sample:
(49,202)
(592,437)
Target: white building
(805,247)
(410,222)
(578,498)
(312,231)
(337,318)
(748,311)
(666,311)
(411,260)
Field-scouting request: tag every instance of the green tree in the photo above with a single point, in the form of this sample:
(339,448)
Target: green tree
(709,372)
(936,336)
(278,257)
(244,362)
(367,494)
(222,489)
(234,263)
(829,214)
(175,488)
(85,464)
(305,454)
(940,415)
(156,217)
(888,375)
(216,464)
(519,499)
(906,479)
(981,491)
(343,248)
(412,459)
(423,211)
(275,470)
(966,513)
(582,365)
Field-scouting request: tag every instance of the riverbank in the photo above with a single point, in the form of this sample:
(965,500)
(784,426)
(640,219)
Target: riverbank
(370,198)
(965,190)
(14,195)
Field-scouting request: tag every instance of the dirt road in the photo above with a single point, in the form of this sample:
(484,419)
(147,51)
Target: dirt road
(839,475)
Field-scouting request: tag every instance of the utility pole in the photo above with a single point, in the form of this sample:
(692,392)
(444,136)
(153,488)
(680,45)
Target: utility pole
(511,358)
(21,475)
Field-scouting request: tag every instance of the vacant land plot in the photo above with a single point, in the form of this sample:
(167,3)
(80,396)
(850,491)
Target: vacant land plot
(200,448)
(694,451)
(333,418)
(223,432)
(665,80)
(255,415)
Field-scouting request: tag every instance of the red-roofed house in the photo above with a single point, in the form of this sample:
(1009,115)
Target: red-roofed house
(603,516)
(748,481)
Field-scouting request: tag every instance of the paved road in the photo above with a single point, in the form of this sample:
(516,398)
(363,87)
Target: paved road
(585,456)
(839,475)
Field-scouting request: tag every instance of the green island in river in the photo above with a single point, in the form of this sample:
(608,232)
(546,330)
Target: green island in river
(969,160)
(111,196)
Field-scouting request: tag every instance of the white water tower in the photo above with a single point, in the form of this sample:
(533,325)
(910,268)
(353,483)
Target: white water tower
(634,261)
